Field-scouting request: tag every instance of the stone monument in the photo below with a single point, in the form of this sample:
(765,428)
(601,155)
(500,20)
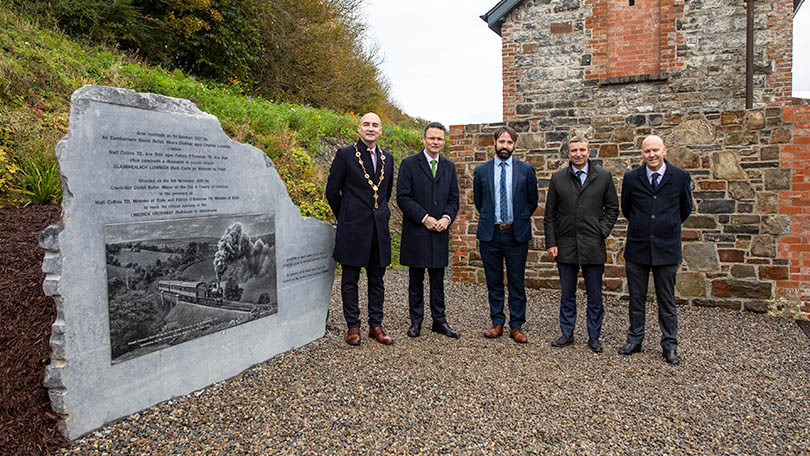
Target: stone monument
(179,261)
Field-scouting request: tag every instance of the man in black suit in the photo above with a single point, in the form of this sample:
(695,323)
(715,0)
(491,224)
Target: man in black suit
(656,200)
(581,209)
(427,194)
(505,193)
(360,182)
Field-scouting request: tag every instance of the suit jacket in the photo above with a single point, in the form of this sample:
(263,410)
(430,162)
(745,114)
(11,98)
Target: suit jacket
(578,218)
(524,199)
(352,201)
(419,194)
(654,218)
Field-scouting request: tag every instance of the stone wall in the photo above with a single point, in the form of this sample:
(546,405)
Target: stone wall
(563,57)
(747,243)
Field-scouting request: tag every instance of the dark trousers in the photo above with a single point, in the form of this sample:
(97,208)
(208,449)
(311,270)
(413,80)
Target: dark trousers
(592,273)
(664,279)
(376,289)
(504,247)
(416,295)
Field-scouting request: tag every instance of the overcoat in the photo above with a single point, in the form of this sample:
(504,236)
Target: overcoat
(654,218)
(420,194)
(524,199)
(351,198)
(578,218)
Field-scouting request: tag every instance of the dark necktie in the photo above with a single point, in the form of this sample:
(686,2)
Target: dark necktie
(504,199)
(579,176)
(655,177)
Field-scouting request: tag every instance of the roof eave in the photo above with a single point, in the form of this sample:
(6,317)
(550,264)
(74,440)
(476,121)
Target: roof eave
(497,14)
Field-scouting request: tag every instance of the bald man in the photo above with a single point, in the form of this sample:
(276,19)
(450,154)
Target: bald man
(360,182)
(656,200)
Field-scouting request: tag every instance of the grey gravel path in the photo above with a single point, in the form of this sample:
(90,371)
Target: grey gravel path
(743,388)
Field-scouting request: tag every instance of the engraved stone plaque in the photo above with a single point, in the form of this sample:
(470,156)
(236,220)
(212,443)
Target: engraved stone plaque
(179,261)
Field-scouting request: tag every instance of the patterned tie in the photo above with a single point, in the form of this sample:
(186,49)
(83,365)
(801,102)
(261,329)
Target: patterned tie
(655,177)
(433,167)
(504,198)
(579,176)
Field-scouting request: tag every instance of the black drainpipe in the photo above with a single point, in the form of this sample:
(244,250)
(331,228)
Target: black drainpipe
(749,55)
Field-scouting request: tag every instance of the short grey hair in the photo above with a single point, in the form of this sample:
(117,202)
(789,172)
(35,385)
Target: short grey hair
(579,138)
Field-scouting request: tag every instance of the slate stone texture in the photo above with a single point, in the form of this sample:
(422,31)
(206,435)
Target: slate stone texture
(133,157)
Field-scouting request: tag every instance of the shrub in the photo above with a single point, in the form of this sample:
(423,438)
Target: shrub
(39,182)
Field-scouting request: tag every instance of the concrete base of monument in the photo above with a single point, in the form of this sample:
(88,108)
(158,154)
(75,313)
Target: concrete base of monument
(180,260)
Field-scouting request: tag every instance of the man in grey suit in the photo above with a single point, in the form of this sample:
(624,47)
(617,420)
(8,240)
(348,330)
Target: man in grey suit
(656,200)
(581,209)
(505,194)
(427,194)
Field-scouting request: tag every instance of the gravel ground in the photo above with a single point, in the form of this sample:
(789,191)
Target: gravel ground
(742,389)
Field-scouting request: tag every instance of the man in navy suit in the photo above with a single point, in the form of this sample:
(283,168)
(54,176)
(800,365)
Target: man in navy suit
(505,193)
(358,188)
(427,194)
(656,200)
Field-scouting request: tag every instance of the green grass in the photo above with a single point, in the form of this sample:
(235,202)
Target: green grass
(39,70)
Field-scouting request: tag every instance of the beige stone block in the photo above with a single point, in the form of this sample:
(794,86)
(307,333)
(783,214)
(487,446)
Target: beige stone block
(683,157)
(692,131)
(767,203)
(740,190)
(700,256)
(763,246)
(726,165)
(754,120)
(691,284)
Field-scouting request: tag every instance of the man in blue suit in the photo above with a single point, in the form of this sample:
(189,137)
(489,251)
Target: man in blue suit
(358,188)
(427,194)
(656,200)
(505,193)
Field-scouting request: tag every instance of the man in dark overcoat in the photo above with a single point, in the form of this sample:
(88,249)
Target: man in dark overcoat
(656,199)
(581,209)
(358,189)
(427,194)
(505,194)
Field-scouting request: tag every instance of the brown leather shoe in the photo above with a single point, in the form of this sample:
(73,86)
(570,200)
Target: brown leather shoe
(353,337)
(494,331)
(518,335)
(380,336)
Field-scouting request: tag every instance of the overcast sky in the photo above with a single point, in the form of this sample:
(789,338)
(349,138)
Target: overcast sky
(444,63)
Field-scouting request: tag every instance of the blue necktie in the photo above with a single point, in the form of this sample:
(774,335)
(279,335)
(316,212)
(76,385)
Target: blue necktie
(504,199)
(655,181)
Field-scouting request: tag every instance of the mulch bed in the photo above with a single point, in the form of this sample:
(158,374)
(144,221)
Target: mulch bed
(27,423)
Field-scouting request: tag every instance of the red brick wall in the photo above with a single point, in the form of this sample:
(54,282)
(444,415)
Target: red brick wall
(632,40)
(795,246)
(633,37)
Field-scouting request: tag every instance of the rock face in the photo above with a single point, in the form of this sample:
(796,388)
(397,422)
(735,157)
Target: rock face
(180,259)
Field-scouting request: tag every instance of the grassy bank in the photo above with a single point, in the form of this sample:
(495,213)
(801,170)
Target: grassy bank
(39,69)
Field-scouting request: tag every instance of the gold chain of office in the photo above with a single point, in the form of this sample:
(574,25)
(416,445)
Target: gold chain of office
(368,178)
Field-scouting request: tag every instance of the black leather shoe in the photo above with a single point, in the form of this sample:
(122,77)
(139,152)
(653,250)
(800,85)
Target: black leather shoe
(444,328)
(671,355)
(562,341)
(414,330)
(595,345)
(630,348)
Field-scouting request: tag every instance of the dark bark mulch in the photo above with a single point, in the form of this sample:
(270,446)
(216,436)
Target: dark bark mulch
(27,423)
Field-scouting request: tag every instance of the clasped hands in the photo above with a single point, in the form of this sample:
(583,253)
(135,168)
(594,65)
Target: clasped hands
(436,225)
